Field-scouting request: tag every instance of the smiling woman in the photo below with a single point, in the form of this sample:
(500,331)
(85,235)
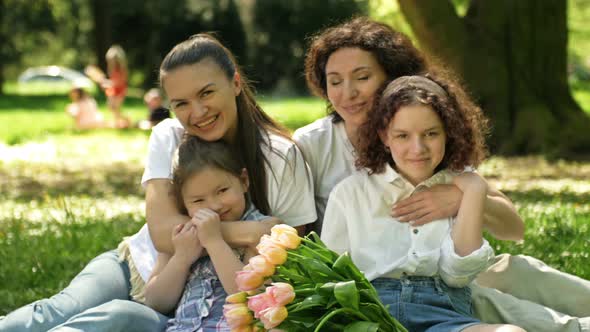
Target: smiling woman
(203,99)
(212,101)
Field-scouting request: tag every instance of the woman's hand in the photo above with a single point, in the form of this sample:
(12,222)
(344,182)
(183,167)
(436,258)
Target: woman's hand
(208,226)
(437,202)
(187,246)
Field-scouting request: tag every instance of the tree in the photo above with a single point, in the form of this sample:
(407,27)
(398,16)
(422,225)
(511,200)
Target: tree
(513,57)
(20,27)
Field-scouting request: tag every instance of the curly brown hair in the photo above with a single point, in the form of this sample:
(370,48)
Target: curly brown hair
(464,123)
(393,51)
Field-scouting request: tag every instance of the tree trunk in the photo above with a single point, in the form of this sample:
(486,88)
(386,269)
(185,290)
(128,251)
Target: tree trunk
(101,14)
(513,57)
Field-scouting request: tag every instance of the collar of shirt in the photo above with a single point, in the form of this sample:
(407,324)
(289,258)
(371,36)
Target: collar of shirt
(391,176)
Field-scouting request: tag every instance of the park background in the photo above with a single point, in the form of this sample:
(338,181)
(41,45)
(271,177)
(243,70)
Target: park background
(68,195)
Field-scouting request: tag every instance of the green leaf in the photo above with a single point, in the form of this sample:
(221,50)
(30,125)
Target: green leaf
(344,266)
(289,274)
(326,290)
(362,327)
(320,272)
(315,300)
(347,294)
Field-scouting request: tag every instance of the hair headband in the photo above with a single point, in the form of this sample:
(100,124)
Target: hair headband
(419,82)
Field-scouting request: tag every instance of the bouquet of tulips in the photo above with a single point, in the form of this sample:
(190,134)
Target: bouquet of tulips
(298,284)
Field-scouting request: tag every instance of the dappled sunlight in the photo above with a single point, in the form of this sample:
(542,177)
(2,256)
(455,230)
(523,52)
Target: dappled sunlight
(73,209)
(533,167)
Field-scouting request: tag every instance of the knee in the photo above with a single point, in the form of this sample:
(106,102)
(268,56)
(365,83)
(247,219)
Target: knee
(511,328)
(119,308)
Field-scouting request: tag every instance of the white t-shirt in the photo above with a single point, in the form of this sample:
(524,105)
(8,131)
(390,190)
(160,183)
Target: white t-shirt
(330,156)
(290,189)
(358,221)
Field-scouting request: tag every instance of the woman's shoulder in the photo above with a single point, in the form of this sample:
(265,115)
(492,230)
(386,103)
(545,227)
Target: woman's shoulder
(320,127)
(168,127)
(275,143)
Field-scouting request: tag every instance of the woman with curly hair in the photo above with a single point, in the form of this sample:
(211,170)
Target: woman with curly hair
(346,65)
(417,135)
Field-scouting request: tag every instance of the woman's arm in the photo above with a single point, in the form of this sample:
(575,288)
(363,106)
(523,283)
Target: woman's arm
(163,215)
(442,201)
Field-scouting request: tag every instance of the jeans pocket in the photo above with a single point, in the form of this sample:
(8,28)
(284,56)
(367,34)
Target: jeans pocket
(460,299)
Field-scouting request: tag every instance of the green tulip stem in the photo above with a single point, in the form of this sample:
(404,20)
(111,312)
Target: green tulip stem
(338,311)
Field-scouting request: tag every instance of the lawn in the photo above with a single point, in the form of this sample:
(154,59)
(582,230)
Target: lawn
(66,196)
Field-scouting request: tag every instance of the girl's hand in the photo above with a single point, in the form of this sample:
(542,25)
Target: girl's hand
(208,226)
(437,202)
(187,246)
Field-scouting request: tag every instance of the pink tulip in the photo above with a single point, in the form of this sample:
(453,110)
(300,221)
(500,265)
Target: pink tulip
(237,314)
(281,293)
(273,253)
(273,316)
(260,302)
(239,297)
(261,265)
(248,280)
(284,237)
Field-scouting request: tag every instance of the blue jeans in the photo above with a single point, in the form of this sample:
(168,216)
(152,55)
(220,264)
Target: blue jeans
(426,303)
(97,299)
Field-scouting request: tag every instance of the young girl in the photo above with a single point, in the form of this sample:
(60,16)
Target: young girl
(211,186)
(419,134)
(84,110)
(116,85)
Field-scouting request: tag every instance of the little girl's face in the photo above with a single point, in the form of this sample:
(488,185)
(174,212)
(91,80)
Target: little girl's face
(416,139)
(218,190)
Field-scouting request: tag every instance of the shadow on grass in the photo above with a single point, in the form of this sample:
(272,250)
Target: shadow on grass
(117,179)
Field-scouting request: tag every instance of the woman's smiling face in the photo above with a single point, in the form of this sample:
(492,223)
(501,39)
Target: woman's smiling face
(203,99)
(352,77)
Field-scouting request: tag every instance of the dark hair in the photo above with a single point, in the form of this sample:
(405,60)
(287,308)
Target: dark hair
(195,155)
(81,93)
(254,125)
(393,51)
(464,123)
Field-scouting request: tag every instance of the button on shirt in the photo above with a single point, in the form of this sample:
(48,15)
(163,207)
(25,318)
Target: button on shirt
(357,220)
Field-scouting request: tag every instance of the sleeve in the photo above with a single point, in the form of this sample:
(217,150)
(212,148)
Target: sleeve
(161,148)
(335,226)
(457,271)
(291,188)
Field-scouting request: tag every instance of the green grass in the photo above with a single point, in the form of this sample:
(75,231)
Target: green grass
(67,195)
